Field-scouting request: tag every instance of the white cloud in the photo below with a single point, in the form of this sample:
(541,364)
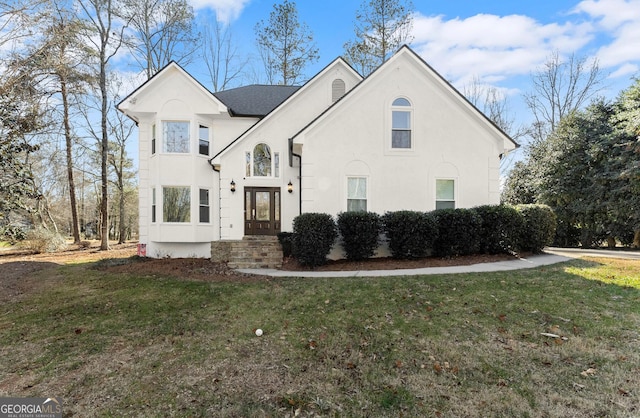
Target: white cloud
(625,71)
(618,20)
(226,10)
(493,47)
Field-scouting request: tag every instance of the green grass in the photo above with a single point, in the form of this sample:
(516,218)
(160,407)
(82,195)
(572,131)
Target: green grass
(449,345)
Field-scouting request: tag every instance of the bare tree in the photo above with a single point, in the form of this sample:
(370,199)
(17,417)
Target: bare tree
(381,27)
(162,31)
(221,56)
(559,88)
(121,129)
(495,105)
(62,56)
(105,37)
(286,46)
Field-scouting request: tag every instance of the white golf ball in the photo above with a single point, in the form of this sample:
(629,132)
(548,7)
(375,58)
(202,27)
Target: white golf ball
(259,332)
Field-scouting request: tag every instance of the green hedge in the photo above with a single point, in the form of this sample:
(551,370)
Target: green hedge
(458,232)
(286,241)
(500,229)
(360,233)
(491,229)
(313,237)
(411,234)
(539,227)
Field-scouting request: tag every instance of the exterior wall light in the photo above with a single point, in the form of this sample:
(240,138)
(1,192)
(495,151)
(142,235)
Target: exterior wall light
(233,186)
(290,187)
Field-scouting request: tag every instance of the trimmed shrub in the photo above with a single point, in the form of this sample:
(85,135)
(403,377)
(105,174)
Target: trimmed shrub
(360,233)
(42,240)
(500,228)
(458,232)
(313,236)
(286,241)
(539,227)
(411,234)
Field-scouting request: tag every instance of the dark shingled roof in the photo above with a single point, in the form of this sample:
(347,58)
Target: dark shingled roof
(255,100)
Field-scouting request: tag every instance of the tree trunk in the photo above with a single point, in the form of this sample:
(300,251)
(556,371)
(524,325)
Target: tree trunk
(636,239)
(123,227)
(611,242)
(75,228)
(104,149)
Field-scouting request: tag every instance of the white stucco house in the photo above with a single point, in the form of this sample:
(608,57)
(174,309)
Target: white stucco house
(247,161)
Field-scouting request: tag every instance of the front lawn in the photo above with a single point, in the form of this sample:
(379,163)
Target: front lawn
(556,341)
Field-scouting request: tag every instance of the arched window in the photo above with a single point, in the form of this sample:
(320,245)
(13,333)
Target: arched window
(401,124)
(262,162)
(337,89)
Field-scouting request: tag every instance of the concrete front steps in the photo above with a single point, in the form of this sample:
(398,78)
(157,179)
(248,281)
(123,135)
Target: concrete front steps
(252,252)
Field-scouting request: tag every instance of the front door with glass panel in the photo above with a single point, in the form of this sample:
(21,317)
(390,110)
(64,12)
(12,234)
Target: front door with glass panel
(261,210)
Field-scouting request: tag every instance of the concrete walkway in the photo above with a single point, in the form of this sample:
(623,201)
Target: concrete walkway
(517,264)
(579,252)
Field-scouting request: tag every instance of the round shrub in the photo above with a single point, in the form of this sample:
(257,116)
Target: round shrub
(313,236)
(411,234)
(458,232)
(360,233)
(500,228)
(539,227)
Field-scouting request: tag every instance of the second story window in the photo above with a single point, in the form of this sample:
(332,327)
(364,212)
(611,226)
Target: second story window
(401,124)
(203,140)
(262,162)
(175,137)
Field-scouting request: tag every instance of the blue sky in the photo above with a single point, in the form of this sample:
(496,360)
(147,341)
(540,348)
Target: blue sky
(499,42)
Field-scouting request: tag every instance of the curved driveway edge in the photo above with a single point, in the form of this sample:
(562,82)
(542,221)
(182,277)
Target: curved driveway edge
(585,252)
(517,264)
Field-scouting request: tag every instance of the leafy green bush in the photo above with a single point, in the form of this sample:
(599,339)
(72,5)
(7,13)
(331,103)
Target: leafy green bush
(539,227)
(410,234)
(313,236)
(500,228)
(458,232)
(360,233)
(41,240)
(286,242)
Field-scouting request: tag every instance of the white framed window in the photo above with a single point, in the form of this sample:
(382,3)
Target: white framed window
(445,194)
(175,137)
(203,140)
(153,139)
(205,210)
(356,194)
(262,162)
(401,112)
(176,204)
(153,205)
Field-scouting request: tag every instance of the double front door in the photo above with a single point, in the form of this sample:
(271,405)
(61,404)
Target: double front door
(261,210)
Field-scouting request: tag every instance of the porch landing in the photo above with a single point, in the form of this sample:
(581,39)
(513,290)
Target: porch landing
(251,252)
